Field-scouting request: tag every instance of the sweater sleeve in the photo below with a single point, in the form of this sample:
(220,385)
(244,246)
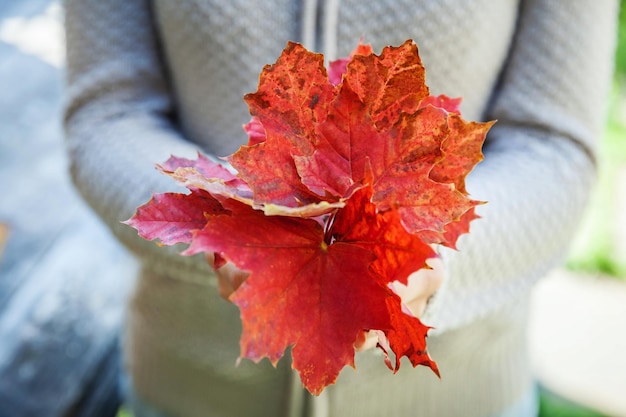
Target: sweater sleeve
(539,162)
(118,119)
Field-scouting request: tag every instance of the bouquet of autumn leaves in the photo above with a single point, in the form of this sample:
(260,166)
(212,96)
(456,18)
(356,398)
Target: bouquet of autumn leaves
(349,178)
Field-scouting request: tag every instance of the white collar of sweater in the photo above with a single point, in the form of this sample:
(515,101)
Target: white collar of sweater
(310,27)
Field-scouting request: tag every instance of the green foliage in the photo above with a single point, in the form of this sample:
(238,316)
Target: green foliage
(595,248)
(552,405)
(124,412)
(620,56)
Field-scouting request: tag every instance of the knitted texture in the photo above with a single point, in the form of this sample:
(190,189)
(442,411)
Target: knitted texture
(150,79)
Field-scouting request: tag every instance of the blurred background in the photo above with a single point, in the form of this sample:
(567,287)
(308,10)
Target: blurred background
(64,280)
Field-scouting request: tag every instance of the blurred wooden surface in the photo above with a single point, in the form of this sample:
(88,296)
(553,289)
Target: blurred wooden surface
(64,280)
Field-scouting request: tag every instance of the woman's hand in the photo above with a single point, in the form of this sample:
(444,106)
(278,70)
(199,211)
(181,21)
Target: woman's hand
(422,285)
(229,277)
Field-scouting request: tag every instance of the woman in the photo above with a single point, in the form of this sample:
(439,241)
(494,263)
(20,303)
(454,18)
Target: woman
(150,79)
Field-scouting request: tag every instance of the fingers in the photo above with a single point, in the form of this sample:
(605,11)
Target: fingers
(210,258)
(367,339)
(421,285)
(229,277)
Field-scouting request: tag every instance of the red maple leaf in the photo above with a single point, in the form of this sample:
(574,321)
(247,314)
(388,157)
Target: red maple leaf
(348,178)
(398,253)
(172,217)
(302,290)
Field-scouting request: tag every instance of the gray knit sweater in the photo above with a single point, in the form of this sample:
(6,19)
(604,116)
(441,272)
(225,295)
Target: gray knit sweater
(147,79)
